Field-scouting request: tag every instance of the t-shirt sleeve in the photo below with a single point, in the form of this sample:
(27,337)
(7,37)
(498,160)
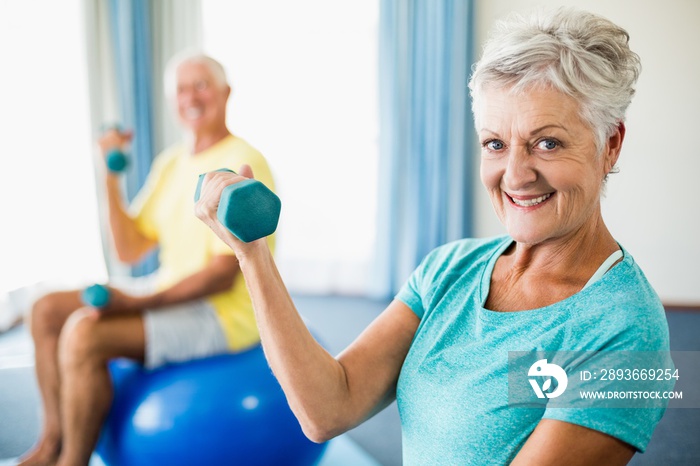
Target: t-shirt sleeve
(418,290)
(639,341)
(410,293)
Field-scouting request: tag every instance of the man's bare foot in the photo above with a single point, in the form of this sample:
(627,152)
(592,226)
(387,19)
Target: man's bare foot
(44,453)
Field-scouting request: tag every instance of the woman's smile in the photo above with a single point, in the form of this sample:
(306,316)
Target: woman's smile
(530,202)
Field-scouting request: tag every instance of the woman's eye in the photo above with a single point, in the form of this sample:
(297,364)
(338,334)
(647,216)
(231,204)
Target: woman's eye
(494,144)
(201,85)
(548,144)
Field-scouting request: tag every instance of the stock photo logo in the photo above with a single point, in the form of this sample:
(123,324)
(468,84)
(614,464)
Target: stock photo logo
(541,369)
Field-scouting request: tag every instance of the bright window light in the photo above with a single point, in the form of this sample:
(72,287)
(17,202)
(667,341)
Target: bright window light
(50,227)
(304,78)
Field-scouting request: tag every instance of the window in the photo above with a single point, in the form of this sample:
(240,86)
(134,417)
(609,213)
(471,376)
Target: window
(304,79)
(50,228)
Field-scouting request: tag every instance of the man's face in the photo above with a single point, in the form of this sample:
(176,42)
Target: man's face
(201,99)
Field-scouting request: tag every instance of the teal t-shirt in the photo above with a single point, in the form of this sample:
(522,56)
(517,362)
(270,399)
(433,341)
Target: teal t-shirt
(452,392)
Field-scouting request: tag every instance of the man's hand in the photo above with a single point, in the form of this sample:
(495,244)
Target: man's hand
(120,302)
(113,138)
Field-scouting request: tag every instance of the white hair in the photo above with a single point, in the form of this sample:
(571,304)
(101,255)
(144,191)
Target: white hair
(578,53)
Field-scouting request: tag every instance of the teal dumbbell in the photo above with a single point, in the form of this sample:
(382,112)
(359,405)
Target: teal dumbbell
(248,209)
(96,295)
(116,161)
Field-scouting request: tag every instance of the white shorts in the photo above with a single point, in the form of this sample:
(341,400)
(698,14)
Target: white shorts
(176,333)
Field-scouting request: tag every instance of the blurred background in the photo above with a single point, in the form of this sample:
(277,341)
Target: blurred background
(362,111)
(348,103)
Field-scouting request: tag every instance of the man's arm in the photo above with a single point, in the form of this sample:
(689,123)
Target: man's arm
(130,244)
(216,277)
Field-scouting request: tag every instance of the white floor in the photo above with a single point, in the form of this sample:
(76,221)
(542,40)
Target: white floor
(342,451)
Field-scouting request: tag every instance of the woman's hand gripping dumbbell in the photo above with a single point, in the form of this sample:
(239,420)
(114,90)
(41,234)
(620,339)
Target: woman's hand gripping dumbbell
(246,207)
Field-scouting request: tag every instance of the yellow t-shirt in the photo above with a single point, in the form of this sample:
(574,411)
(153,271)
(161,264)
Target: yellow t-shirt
(164,212)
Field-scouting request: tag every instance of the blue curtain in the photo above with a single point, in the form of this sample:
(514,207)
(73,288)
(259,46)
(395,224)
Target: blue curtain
(426,133)
(131,39)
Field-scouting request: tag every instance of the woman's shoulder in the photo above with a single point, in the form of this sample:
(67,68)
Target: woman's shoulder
(626,285)
(624,306)
(459,258)
(469,247)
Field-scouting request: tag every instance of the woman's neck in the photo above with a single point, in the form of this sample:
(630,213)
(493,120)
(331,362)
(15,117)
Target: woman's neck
(575,253)
(531,276)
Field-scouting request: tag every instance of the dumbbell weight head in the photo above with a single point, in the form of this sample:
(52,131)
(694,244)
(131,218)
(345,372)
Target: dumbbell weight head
(248,209)
(96,295)
(116,161)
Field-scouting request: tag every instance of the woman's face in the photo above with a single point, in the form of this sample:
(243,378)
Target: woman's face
(539,163)
(201,101)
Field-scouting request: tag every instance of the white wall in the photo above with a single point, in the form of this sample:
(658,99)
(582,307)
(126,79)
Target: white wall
(305,95)
(652,204)
(50,228)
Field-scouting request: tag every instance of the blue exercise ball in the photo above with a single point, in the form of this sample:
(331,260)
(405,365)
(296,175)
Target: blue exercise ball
(222,410)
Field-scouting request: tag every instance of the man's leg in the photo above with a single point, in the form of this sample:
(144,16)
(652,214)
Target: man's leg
(88,341)
(47,317)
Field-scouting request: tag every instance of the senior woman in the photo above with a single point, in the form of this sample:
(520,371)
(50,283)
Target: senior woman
(550,94)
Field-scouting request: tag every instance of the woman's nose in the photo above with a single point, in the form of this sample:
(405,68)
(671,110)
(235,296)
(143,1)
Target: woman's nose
(520,169)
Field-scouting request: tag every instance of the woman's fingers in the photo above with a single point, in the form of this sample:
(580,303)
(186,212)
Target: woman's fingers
(210,194)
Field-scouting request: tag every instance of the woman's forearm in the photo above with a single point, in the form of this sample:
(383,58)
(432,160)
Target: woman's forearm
(313,380)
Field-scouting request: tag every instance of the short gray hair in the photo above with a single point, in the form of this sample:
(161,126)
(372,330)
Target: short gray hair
(191,56)
(575,52)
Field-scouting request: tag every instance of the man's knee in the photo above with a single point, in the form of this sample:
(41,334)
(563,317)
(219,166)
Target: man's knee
(46,315)
(79,343)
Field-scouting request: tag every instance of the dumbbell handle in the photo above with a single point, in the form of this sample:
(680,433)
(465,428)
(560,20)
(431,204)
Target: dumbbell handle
(95,295)
(248,209)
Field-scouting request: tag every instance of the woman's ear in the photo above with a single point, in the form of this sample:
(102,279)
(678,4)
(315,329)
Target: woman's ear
(613,147)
